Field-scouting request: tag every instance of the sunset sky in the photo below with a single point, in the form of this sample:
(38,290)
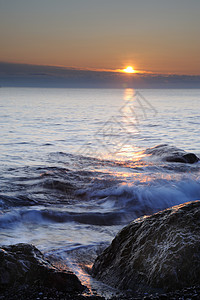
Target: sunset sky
(155,36)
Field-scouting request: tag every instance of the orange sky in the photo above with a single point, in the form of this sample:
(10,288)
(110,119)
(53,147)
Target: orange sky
(151,35)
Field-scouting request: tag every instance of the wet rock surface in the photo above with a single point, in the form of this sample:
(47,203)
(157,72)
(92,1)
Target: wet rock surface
(33,287)
(158,253)
(24,264)
(44,293)
(189,158)
(173,154)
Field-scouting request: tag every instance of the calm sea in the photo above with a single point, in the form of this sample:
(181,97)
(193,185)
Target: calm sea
(79,164)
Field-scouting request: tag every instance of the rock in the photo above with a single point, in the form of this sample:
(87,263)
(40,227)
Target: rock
(172,154)
(189,158)
(28,292)
(161,251)
(24,264)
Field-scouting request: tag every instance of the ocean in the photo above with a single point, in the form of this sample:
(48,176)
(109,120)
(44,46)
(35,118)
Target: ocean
(79,164)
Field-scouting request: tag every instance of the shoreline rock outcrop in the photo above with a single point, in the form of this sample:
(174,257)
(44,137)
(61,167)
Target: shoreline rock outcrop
(24,264)
(160,252)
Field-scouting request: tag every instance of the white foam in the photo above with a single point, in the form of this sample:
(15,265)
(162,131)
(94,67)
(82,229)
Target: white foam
(152,197)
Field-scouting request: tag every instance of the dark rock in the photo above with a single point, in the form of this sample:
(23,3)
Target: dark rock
(189,158)
(161,251)
(172,154)
(27,292)
(25,264)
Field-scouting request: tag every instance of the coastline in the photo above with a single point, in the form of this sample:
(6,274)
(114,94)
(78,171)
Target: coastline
(27,275)
(73,204)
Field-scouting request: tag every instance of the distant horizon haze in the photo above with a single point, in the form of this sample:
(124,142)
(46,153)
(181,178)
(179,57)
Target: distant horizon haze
(25,75)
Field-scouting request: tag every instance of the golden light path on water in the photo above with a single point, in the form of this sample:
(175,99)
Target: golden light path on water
(82,271)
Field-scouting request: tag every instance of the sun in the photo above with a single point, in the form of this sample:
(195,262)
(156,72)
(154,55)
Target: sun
(129,69)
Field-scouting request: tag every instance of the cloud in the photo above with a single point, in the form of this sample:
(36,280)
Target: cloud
(24,75)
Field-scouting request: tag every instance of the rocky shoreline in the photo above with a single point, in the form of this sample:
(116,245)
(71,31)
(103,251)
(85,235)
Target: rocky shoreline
(43,293)
(160,252)
(154,257)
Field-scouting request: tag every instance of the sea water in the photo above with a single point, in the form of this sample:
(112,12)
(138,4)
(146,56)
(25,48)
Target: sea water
(79,164)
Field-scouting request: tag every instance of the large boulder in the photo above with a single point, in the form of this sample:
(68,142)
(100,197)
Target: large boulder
(161,251)
(25,264)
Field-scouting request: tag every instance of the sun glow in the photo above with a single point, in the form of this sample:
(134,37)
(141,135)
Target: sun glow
(129,69)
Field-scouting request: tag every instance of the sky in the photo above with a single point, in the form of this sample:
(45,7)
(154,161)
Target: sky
(153,36)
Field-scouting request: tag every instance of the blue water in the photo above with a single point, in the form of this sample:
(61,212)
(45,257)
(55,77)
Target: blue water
(76,165)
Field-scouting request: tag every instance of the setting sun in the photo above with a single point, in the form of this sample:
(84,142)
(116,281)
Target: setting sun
(129,69)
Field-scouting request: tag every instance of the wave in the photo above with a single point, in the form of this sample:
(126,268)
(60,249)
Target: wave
(110,206)
(73,178)
(46,216)
(148,199)
(20,200)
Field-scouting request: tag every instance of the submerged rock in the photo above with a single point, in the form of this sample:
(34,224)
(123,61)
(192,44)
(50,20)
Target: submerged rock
(24,264)
(189,158)
(161,251)
(173,154)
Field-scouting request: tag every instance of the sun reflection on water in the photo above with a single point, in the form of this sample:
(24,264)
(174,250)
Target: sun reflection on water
(69,264)
(129,94)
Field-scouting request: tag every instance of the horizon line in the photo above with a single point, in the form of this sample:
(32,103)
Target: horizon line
(118,70)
